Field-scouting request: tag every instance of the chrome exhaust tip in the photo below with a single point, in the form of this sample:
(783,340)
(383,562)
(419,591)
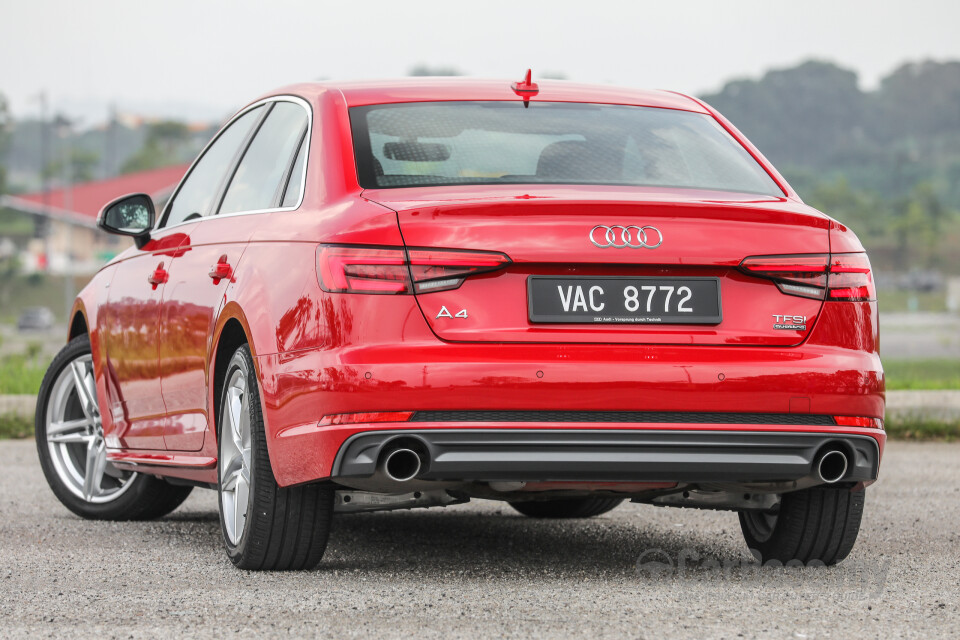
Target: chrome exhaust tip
(832,466)
(401,465)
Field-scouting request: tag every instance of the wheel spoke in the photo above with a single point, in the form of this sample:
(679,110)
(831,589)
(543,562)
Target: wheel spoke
(96,464)
(240,497)
(76,437)
(232,474)
(244,442)
(88,400)
(91,381)
(66,426)
(236,407)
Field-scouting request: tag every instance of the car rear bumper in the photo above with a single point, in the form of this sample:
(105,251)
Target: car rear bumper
(610,455)
(806,386)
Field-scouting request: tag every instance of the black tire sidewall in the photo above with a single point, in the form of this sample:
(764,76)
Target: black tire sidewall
(804,524)
(285,528)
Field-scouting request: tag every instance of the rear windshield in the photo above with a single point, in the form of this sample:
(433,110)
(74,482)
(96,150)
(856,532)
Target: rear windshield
(450,143)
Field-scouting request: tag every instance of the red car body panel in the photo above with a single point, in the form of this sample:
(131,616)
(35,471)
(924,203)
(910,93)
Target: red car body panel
(320,353)
(536,231)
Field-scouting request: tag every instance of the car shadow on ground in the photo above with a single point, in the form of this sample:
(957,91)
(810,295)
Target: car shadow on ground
(504,542)
(446,542)
(453,545)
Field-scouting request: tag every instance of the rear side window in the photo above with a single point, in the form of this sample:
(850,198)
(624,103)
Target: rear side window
(256,184)
(196,194)
(445,143)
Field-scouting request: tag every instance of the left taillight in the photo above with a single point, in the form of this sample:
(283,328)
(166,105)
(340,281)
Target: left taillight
(840,276)
(392,270)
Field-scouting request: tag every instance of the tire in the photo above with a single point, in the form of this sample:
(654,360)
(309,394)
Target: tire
(265,527)
(72,452)
(567,508)
(818,525)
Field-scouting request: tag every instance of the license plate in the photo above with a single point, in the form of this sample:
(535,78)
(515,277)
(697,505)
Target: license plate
(623,300)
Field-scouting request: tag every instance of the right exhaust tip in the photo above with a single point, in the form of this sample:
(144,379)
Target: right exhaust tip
(832,466)
(401,465)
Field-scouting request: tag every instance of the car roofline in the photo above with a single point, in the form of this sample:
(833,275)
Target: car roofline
(446,89)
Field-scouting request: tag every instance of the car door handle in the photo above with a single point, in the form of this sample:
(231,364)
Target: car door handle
(221,271)
(158,277)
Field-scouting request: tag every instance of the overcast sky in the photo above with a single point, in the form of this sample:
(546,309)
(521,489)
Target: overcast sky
(205,58)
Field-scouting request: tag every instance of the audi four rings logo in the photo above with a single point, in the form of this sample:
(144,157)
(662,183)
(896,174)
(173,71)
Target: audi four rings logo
(626,237)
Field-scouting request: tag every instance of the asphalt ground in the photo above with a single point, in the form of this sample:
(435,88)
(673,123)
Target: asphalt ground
(481,570)
(919,335)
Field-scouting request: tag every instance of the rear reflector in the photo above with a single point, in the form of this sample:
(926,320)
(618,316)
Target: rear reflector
(858,421)
(841,276)
(392,270)
(360,418)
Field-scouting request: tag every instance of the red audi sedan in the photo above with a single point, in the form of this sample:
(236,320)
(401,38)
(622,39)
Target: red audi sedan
(416,293)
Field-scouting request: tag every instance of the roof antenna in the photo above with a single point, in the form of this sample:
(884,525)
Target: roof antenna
(525,89)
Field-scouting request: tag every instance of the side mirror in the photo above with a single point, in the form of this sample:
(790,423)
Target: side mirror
(130,215)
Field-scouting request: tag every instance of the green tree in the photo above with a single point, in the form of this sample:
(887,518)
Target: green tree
(918,227)
(83,166)
(161,148)
(865,213)
(802,115)
(918,100)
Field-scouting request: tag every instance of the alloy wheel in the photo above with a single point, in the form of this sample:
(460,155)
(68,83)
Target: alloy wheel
(235,457)
(74,433)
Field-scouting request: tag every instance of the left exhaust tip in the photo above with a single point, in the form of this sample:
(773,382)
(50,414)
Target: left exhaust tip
(401,465)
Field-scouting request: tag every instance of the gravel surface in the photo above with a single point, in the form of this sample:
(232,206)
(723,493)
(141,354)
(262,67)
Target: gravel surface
(480,570)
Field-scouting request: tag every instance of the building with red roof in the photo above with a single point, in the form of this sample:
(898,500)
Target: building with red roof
(71,241)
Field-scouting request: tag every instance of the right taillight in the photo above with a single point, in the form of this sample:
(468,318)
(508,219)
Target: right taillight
(851,278)
(840,276)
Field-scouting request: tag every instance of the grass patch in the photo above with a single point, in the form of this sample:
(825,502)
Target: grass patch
(20,376)
(14,426)
(921,429)
(933,374)
(891,301)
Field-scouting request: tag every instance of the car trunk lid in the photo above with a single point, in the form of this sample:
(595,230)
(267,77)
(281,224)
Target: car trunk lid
(556,235)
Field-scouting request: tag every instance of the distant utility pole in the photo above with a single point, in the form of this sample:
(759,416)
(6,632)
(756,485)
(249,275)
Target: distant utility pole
(110,157)
(64,130)
(43,222)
